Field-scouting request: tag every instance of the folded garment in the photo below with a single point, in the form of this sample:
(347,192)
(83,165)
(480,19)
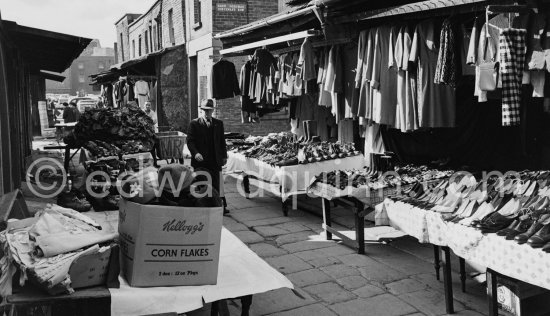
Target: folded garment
(54,244)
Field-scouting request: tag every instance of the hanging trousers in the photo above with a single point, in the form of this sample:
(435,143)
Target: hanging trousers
(512,60)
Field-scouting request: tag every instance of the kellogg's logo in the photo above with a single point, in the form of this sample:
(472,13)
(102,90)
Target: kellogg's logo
(181,226)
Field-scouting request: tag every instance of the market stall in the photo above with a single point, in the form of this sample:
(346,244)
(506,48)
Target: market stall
(290,164)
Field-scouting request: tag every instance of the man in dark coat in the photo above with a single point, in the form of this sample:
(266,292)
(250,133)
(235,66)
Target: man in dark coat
(206,142)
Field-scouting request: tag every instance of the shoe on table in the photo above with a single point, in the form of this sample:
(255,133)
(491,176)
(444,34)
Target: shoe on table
(70,200)
(535,227)
(541,237)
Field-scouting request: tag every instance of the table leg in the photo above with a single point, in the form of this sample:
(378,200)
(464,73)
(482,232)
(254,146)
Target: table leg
(437,262)
(67,159)
(246,302)
(359,231)
(326,217)
(285,206)
(246,185)
(492,292)
(447,280)
(219,308)
(462,263)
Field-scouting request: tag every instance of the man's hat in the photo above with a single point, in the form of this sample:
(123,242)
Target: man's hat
(207,104)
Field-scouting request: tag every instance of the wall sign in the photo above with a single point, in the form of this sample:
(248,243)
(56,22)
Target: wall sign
(231,7)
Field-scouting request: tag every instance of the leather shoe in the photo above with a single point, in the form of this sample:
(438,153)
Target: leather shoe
(546,248)
(535,227)
(70,200)
(494,223)
(541,237)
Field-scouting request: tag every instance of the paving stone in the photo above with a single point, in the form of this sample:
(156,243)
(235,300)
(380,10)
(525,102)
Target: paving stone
(307,245)
(381,305)
(398,259)
(310,310)
(268,221)
(355,260)
(368,291)
(249,237)
(254,214)
(234,226)
(292,227)
(467,313)
(430,280)
(288,264)
(269,231)
(266,250)
(323,262)
(308,277)
(330,292)
(334,251)
(429,302)
(405,286)
(352,282)
(338,271)
(297,237)
(347,221)
(376,271)
(278,301)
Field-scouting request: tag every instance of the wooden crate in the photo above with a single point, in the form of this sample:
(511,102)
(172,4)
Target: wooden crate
(171,144)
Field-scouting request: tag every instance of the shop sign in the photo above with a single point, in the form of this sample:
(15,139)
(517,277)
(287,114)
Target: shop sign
(231,7)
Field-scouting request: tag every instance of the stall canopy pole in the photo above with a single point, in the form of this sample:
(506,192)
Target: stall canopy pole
(271,41)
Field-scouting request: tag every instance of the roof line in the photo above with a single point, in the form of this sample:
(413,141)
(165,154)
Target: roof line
(146,12)
(125,15)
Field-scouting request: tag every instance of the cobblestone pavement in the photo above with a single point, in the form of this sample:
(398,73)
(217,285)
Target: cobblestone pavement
(394,279)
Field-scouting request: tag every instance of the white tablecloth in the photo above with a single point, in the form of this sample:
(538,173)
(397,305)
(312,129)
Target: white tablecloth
(240,272)
(503,256)
(293,179)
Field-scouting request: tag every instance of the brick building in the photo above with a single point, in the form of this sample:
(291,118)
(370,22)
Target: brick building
(206,18)
(93,59)
(184,73)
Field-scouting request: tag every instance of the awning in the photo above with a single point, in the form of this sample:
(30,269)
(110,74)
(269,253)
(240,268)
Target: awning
(52,76)
(45,50)
(144,66)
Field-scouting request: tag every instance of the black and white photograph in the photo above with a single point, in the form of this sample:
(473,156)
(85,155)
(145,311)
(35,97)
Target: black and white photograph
(274,157)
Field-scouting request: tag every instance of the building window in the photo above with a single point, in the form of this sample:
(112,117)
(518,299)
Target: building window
(122,46)
(151,37)
(155,38)
(171,26)
(139,45)
(146,41)
(80,65)
(158,19)
(101,66)
(197,14)
(81,78)
(133,48)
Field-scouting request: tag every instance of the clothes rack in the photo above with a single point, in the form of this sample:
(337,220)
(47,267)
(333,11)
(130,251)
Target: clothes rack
(317,44)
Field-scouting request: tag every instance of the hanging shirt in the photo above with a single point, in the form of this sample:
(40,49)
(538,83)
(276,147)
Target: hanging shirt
(365,92)
(306,62)
(447,59)
(351,93)
(244,84)
(141,90)
(436,103)
(384,79)
(223,80)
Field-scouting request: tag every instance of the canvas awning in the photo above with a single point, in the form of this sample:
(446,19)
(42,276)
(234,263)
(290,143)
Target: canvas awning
(46,50)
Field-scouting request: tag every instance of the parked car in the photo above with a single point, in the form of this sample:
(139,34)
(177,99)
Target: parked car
(83,103)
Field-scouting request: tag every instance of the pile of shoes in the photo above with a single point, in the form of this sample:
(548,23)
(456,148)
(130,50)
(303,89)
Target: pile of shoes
(74,199)
(516,208)
(374,179)
(110,124)
(284,149)
(100,148)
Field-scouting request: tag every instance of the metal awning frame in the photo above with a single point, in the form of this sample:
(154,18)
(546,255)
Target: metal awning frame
(271,41)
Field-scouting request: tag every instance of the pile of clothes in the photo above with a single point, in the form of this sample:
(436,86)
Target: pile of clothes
(283,149)
(108,125)
(43,248)
(171,185)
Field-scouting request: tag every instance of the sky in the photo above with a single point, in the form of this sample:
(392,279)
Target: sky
(85,18)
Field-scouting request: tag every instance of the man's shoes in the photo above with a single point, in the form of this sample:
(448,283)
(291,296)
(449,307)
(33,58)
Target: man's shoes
(70,200)
(225,212)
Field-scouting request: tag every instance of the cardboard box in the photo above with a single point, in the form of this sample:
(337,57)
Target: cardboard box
(169,246)
(522,299)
